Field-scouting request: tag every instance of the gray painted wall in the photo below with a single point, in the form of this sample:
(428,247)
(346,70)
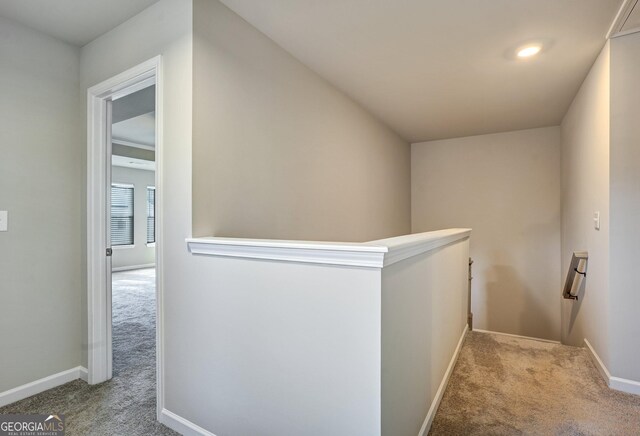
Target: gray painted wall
(280,153)
(506,187)
(625,207)
(40,161)
(140,254)
(585,189)
(601,171)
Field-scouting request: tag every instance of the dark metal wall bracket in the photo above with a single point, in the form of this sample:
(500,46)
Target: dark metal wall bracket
(577,273)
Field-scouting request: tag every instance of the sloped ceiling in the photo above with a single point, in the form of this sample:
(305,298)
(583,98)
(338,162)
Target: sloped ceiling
(430,69)
(434,69)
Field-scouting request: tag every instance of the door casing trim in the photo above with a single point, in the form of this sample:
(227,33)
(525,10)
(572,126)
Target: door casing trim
(98,316)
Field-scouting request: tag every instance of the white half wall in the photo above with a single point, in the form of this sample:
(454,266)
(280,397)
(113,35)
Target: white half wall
(276,348)
(585,190)
(424,315)
(311,338)
(140,254)
(505,186)
(40,167)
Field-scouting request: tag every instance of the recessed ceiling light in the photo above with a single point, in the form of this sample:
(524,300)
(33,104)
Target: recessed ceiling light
(527,52)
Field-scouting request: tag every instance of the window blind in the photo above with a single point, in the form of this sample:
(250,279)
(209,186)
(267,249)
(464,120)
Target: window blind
(151,214)
(121,215)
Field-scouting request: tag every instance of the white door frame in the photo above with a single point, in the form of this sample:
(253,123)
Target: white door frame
(98,313)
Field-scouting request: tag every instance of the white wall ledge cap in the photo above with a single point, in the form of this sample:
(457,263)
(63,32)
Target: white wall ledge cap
(326,253)
(406,246)
(374,254)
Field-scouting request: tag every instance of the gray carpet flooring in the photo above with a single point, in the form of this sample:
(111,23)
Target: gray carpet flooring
(500,385)
(503,385)
(126,404)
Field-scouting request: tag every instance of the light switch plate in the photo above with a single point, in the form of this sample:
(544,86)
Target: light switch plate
(596,220)
(3,220)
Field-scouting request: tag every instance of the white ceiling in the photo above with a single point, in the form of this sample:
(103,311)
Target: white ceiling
(134,118)
(136,103)
(74,21)
(132,162)
(140,130)
(437,69)
(429,69)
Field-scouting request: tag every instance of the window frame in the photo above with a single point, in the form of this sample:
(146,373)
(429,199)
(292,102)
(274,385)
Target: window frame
(133,215)
(151,243)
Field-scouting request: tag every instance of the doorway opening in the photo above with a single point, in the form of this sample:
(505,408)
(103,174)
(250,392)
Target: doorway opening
(124,237)
(133,235)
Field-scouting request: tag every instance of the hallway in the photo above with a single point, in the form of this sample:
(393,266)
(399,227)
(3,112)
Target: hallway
(125,404)
(505,385)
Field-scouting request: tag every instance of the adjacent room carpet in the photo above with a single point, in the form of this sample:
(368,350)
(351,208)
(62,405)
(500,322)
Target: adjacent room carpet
(504,385)
(126,404)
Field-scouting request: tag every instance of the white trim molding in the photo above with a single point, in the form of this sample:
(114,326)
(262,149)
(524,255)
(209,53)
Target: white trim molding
(431,414)
(374,254)
(615,29)
(624,385)
(84,373)
(29,389)
(132,267)
(404,247)
(349,254)
(181,425)
(617,383)
(602,369)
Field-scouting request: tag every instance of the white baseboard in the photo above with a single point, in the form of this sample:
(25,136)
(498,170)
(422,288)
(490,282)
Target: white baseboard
(617,383)
(431,414)
(517,336)
(181,425)
(625,385)
(84,373)
(132,267)
(35,387)
(602,369)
